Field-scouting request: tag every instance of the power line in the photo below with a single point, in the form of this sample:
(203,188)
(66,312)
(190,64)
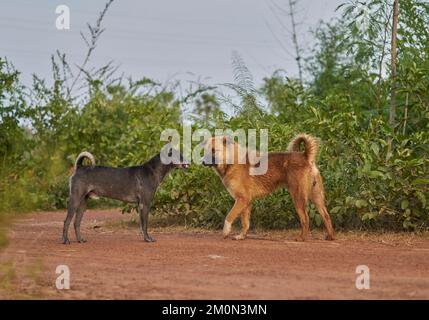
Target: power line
(160,37)
(122,60)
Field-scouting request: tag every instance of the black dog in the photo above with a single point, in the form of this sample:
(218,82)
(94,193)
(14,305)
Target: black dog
(133,184)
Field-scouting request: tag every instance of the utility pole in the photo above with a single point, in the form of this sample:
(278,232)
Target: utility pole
(394,49)
(393,52)
(294,37)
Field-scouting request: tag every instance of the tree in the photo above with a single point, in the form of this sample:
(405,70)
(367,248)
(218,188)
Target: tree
(13,109)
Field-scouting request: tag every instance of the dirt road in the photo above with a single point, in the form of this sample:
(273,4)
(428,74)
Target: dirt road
(189,264)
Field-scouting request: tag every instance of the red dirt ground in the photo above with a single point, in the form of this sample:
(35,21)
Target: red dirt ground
(115,263)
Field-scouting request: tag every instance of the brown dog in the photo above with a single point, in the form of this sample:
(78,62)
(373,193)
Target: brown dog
(294,170)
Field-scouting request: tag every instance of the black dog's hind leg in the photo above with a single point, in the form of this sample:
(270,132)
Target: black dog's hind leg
(71,209)
(144,217)
(79,214)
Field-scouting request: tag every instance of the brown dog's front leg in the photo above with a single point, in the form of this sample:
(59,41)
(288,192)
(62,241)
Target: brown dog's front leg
(239,206)
(245,223)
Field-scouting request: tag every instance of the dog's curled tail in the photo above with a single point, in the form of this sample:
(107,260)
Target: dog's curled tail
(81,156)
(311,146)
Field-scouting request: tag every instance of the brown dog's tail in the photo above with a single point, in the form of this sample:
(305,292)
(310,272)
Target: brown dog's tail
(81,156)
(310,146)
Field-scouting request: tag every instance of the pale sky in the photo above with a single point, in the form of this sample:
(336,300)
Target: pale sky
(161,39)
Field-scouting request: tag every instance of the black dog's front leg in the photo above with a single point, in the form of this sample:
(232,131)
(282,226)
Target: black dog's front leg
(144,217)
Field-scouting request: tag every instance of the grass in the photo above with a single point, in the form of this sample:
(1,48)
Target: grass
(11,282)
(5,222)
(7,275)
(8,269)
(35,271)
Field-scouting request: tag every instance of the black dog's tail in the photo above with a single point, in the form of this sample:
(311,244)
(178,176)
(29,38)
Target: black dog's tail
(81,156)
(310,144)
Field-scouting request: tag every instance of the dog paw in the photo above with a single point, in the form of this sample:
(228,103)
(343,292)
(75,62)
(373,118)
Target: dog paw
(329,237)
(300,239)
(240,237)
(226,230)
(149,239)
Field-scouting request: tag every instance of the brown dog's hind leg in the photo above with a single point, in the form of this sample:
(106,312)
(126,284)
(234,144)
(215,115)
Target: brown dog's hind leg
(245,223)
(318,198)
(239,206)
(327,221)
(300,203)
(305,223)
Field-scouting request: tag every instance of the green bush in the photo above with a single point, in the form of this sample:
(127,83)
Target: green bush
(345,103)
